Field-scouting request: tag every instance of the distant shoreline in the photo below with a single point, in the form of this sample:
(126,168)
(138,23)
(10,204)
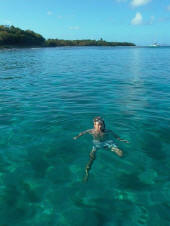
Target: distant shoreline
(13,37)
(45,46)
(30,47)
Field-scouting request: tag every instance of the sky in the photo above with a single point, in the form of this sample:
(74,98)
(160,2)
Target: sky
(142,22)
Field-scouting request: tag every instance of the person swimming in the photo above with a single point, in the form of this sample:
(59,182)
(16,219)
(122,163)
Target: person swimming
(102,138)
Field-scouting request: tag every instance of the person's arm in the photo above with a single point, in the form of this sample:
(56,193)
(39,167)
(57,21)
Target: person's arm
(82,133)
(118,138)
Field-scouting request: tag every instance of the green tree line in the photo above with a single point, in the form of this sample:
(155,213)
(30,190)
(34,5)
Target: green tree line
(85,42)
(13,36)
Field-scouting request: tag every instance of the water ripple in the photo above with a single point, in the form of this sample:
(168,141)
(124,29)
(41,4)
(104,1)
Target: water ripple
(47,96)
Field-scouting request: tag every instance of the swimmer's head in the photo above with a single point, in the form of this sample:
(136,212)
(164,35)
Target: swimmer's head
(99,123)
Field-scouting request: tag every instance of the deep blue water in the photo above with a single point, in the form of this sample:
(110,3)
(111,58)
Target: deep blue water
(49,95)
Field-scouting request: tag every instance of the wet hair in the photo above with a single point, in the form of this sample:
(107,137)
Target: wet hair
(100,121)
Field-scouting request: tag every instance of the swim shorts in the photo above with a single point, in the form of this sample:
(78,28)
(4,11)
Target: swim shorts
(105,144)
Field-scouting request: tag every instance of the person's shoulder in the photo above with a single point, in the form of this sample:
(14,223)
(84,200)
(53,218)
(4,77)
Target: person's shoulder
(89,131)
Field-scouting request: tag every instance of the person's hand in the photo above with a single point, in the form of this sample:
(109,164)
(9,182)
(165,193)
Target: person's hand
(75,138)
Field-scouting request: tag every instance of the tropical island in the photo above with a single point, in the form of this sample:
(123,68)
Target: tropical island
(12,37)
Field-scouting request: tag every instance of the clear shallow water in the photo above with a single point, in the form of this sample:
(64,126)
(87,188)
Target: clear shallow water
(49,95)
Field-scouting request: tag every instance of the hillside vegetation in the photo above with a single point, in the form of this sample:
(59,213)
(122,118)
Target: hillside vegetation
(11,36)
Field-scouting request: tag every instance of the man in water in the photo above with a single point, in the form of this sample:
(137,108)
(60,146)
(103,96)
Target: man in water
(102,138)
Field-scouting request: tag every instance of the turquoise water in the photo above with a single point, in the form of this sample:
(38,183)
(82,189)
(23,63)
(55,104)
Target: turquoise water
(49,95)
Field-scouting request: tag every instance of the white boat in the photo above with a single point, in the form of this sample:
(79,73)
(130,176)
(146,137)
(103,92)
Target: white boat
(155,45)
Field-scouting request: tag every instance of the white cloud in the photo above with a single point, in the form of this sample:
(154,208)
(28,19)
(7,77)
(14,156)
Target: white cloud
(74,28)
(137,19)
(49,13)
(168,7)
(137,3)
